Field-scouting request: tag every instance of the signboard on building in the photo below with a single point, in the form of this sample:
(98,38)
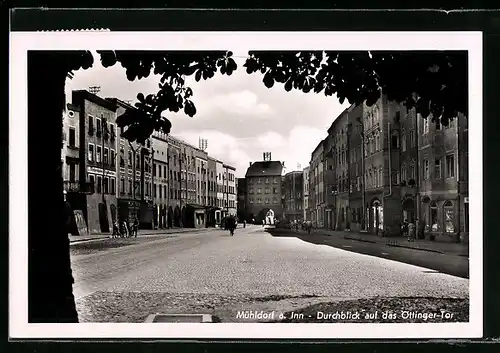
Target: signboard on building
(81,225)
(99,171)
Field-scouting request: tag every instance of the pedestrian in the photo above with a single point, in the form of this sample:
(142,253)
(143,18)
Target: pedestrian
(244,223)
(136,226)
(411,231)
(263,222)
(404,228)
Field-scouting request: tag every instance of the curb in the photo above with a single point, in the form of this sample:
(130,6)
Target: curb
(414,248)
(362,240)
(76,241)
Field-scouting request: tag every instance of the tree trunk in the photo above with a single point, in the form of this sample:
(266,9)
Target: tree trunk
(50,280)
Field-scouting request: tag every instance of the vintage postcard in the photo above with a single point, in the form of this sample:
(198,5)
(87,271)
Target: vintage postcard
(247,185)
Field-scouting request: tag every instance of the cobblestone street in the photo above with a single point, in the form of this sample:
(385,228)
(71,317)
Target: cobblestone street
(211,272)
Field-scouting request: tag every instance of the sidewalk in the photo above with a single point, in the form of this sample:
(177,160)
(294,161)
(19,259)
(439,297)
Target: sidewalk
(425,245)
(141,232)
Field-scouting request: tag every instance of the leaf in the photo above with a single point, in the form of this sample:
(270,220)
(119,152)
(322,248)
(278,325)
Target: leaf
(289,85)
(197,77)
(140,97)
(268,80)
(189,108)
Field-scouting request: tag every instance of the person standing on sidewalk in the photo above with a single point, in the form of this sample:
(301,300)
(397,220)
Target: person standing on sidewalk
(411,231)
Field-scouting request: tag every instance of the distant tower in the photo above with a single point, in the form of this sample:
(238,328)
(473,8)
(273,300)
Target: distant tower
(202,143)
(267,156)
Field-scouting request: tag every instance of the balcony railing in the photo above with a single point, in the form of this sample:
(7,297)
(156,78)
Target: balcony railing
(79,187)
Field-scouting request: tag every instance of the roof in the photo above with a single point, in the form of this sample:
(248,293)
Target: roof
(86,95)
(274,168)
(228,166)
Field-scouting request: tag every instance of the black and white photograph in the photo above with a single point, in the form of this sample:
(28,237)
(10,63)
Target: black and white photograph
(246,185)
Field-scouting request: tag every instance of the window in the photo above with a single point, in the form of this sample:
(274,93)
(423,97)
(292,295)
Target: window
(434,217)
(91,152)
(267,200)
(412,138)
(106,185)
(72,137)
(377,142)
(98,123)
(375,177)
(98,154)
(412,170)
(92,180)
(160,191)
(112,131)
(159,171)
(259,191)
(122,185)
(403,142)
(449,217)
(113,156)
(450,166)
(250,200)
(91,125)
(437,169)
(426,125)
(438,125)
(404,174)
(130,188)
(72,171)
(426,169)
(395,140)
(381,177)
(99,184)
(267,190)
(106,155)
(130,159)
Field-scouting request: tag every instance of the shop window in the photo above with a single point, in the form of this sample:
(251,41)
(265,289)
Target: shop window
(434,217)
(449,217)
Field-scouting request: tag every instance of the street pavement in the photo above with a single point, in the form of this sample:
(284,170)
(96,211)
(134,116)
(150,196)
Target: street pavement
(212,271)
(446,258)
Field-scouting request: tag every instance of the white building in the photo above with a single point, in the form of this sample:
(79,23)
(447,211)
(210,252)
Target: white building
(219,168)
(230,189)
(160,179)
(305,193)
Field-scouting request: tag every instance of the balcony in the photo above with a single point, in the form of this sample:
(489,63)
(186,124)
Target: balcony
(79,187)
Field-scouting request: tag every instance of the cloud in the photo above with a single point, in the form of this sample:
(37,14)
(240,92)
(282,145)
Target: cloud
(270,140)
(242,102)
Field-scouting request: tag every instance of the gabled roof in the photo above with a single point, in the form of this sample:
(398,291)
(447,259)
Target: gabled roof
(265,168)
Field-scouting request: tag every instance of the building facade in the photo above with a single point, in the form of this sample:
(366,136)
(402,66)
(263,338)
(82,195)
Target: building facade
(381,154)
(212,192)
(293,186)
(264,189)
(98,145)
(305,193)
(134,175)
(161,185)
(317,186)
(174,182)
(219,167)
(230,189)
(443,179)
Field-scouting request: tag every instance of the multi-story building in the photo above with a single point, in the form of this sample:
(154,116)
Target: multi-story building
(161,185)
(242,192)
(294,185)
(442,176)
(381,155)
(135,183)
(264,189)
(98,144)
(201,188)
(355,167)
(174,156)
(212,192)
(316,186)
(219,169)
(230,189)
(305,192)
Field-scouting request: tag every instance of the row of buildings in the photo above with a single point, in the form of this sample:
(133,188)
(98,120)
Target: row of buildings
(377,167)
(164,183)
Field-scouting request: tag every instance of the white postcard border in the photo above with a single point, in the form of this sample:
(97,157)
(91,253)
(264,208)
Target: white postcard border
(238,42)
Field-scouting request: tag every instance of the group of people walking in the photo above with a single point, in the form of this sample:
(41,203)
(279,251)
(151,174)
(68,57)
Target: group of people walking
(125,229)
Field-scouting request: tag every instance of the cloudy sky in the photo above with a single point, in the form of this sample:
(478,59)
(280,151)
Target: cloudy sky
(237,114)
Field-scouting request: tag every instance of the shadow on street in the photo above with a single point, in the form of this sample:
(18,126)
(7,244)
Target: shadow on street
(452,264)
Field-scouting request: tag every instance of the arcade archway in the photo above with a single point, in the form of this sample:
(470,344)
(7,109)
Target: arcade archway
(408,207)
